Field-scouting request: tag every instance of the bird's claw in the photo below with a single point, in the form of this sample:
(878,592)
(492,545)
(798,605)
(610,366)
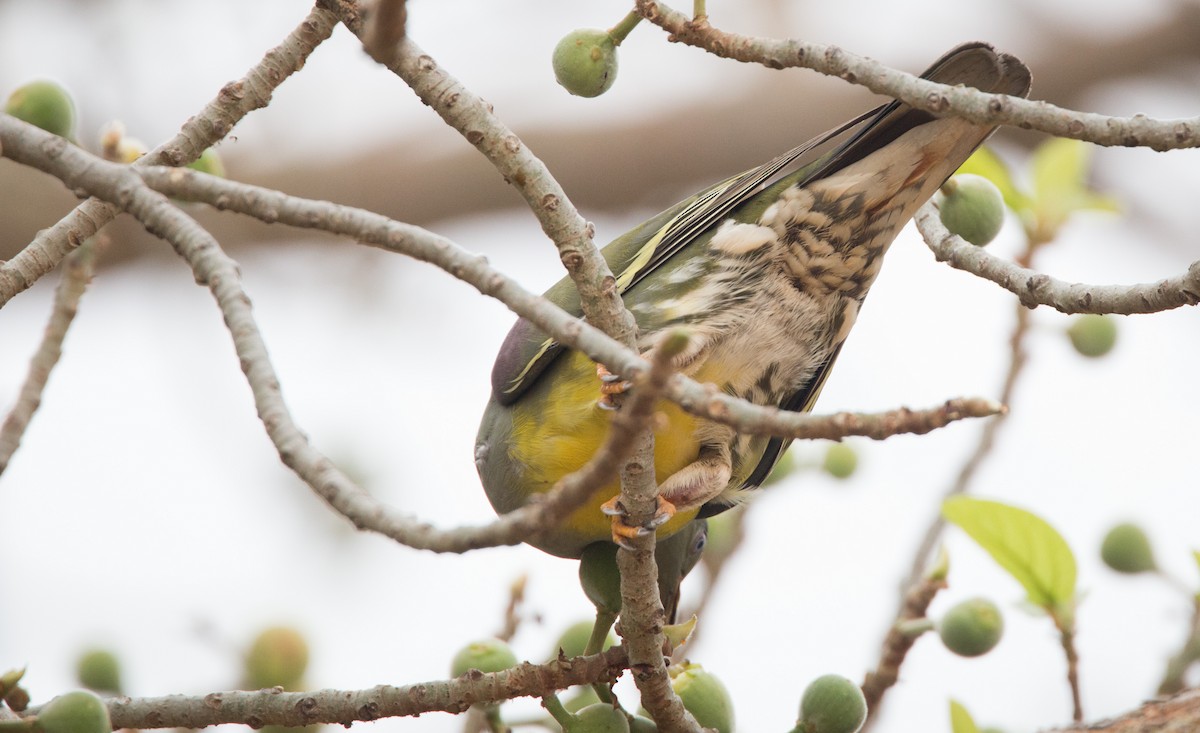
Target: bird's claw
(610,386)
(623,532)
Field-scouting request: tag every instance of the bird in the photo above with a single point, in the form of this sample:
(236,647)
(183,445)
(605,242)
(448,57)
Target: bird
(765,272)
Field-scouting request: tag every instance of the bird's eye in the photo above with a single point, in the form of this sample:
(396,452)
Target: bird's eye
(699,542)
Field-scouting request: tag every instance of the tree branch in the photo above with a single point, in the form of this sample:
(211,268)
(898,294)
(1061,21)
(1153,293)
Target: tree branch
(343,707)
(642,614)
(966,102)
(214,122)
(66,303)
(897,643)
(1179,712)
(81,170)
(1035,288)
(471,116)
(379,231)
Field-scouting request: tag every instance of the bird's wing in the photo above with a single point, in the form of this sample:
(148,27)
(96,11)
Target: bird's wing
(527,350)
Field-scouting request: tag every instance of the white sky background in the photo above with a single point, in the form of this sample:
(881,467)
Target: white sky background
(147,511)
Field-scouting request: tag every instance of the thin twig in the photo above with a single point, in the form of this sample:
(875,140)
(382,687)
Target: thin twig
(80,265)
(214,122)
(1035,288)
(897,643)
(1066,635)
(1177,666)
(1018,357)
(963,101)
(512,612)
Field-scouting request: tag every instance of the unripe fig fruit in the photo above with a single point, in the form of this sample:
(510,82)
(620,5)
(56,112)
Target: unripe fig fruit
(1126,549)
(832,704)
(704,696)
(1093,335)
(972,628)
(99,670)
(973,208)
(79,711)
(840,461)
(277,658)
(573,641)
(599,718)
(486,655)
(44,104)
(585,62)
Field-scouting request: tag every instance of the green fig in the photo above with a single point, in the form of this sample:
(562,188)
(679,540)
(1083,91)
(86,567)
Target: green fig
(704,696)
(972,628)
(585,62)
(601,717)
(840,461)
(832,704)
(486,655)
(1093,335)
(972,207)
(45,104)
(1126,549)
(574,639)
(277,658)
(99,670)
(79,711)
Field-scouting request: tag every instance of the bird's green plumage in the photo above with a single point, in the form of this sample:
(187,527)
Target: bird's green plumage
(767,269)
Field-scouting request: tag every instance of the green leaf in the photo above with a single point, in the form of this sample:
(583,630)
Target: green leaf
(1060,169)
(961,720)
(983,162)
(1196,554)
(1026,546)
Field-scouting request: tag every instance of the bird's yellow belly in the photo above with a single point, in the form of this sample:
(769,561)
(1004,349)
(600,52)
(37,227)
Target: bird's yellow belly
(561,433)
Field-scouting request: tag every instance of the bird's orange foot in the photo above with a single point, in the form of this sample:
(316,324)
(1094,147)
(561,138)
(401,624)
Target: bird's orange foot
(610,385)
(622,531)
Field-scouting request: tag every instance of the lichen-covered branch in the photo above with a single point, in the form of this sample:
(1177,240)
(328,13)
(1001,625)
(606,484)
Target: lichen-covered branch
(214,122)
(972,104)
(1035,288)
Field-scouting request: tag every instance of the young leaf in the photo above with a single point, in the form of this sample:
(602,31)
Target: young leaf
(1024,545)
(961,720)
(1060,168)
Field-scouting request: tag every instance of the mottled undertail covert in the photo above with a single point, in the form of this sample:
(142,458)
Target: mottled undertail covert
(767,271)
